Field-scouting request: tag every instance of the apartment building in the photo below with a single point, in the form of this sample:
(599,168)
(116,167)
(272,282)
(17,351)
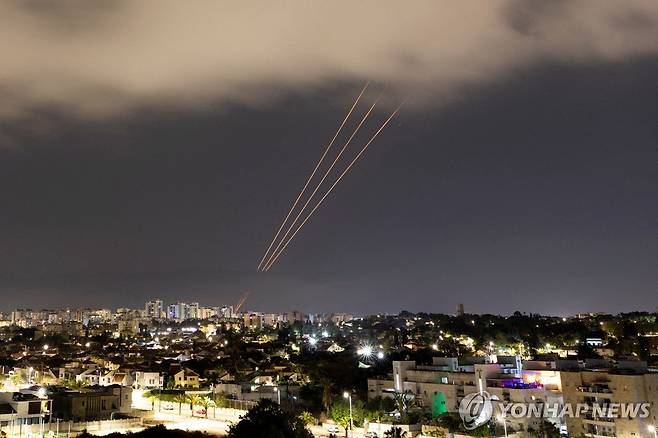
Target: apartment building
(148,380)
(17,408)
(154,309)
(624,382)
(89,404)
(440,387)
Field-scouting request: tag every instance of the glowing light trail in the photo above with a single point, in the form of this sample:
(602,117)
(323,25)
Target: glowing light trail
(347,169)
(326,174)
(317,166)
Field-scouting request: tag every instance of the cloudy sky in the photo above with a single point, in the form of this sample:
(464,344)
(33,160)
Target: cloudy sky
(152,148)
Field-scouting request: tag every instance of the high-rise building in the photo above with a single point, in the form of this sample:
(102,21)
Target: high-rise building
(154,309)
(226,312)
(460,309)
(176,311)
(192,311)
(253,321)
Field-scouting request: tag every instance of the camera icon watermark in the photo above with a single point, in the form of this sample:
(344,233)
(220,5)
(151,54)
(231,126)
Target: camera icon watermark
(475,409)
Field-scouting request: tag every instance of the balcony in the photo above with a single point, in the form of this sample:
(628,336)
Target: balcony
(595,389)
(596,420)
(600,431)
(600,434)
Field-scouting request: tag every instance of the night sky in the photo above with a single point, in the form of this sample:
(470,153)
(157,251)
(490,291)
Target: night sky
(533,189)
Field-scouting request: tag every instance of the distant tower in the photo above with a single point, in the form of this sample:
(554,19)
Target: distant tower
(154,309)
(460,309)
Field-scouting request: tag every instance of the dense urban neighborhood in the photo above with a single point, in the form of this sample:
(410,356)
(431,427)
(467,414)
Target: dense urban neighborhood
(215,370)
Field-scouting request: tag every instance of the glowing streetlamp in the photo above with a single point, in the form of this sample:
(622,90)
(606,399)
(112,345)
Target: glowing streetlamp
(348,396)
(365,351)
(278,394)
(651,428)
(380,355)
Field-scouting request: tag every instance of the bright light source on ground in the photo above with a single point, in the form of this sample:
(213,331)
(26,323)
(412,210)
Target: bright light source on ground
(380,355)
(365,351)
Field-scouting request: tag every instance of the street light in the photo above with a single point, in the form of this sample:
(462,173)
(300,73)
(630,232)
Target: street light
(278,394)
(348,396)
(652,428)
(501,418)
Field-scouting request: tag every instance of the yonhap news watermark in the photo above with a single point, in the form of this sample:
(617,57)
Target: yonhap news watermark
(478,408)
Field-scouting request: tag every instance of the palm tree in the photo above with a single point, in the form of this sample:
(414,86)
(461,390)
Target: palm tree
(189,398)
(205,402)
(209,403)
(180,399)
(194,399)
(403,400)
(152,395)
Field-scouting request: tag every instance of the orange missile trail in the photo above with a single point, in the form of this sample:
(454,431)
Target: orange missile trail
(319,184)
(317,166)
(347,169)
(242,301)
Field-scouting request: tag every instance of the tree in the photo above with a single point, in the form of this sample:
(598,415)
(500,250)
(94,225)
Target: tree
(340,413)
(153,432)
(152,395)
(267,420)
(17,379)
(450,421)
(206,402)
(308,418)
(195,400)
(403,401)
(180,399)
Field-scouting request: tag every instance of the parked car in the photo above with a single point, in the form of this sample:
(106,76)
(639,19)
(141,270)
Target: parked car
(370,435)
(200,412)
(168,407)
(332,428)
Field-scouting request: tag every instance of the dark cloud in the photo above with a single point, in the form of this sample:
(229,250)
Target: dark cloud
(94,59)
